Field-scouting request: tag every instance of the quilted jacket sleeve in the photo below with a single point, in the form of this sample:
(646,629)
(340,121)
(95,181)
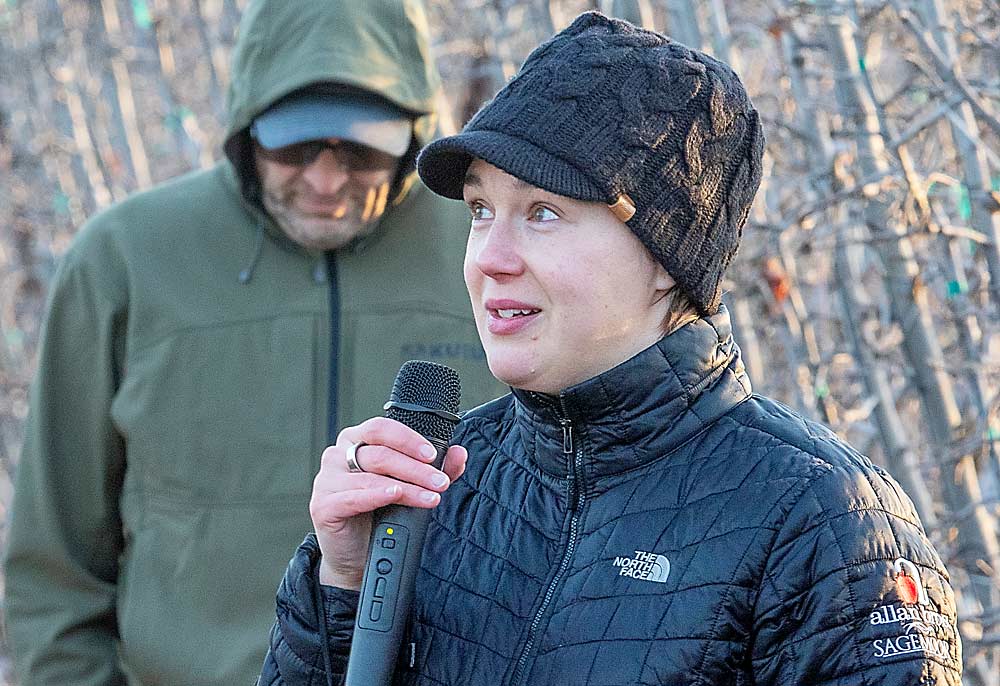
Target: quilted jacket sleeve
(853,592)
(296,654)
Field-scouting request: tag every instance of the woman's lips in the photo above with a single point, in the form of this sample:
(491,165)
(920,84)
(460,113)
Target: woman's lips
(506,317)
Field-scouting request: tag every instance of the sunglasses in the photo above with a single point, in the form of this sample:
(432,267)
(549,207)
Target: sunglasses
(353,156)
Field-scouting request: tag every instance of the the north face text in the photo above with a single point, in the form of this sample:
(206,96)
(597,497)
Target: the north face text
(645,566)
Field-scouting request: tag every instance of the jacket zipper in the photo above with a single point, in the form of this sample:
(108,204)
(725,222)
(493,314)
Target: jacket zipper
(576,505)
(332,391)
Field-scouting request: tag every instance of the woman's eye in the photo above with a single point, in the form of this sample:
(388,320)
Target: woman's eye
(540,213)
(480,212)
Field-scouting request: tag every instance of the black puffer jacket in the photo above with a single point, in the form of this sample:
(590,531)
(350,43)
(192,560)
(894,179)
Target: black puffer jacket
(656,525)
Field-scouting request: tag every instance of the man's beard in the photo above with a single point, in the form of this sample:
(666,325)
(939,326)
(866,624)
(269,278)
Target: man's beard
(354,213)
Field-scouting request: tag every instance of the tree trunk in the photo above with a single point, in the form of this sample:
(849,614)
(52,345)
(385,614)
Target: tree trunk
(978,551)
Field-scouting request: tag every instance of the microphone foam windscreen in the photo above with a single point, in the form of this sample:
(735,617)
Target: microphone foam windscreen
(429,385)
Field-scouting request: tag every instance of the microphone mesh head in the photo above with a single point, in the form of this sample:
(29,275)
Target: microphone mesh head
(429,385)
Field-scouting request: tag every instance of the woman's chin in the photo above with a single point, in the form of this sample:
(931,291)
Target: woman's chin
(528,380)
(514,373)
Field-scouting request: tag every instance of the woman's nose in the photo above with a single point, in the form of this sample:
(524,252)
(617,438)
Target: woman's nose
(499,252)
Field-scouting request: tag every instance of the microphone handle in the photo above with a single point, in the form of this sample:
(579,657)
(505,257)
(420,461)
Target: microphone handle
(394,551)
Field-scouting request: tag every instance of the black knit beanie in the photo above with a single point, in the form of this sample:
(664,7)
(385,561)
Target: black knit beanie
(605,111)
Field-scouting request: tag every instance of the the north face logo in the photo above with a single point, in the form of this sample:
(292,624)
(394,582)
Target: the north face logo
(645,566)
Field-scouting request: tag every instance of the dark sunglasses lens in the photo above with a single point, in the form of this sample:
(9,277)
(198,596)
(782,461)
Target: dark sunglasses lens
(358,158)
(299,154)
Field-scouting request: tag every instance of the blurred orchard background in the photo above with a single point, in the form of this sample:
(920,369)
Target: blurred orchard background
(867,290)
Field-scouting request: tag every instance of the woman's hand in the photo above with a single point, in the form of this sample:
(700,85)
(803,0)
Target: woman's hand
(396,463)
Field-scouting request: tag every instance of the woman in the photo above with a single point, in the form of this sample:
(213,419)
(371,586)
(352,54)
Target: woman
(630,513)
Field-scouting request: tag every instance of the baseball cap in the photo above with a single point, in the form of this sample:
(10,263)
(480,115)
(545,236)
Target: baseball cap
(357,117)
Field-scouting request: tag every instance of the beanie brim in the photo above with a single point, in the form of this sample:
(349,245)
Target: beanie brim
(443,164)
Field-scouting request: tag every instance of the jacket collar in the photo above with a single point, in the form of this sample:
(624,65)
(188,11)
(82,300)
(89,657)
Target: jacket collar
(642,409)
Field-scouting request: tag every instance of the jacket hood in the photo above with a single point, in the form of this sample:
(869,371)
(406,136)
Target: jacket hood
(381,46)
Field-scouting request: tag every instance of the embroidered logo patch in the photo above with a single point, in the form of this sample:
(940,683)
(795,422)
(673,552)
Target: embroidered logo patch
(644,566)
(912,624)
(908,585)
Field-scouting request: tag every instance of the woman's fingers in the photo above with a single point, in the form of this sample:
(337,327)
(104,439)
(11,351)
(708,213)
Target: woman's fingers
(339,496)
(365,493)
(395,463)
(377,459)
(454,462)
(382,461)
(389,433)
(392,473)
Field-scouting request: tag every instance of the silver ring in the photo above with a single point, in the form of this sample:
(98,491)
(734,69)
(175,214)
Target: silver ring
(352,458)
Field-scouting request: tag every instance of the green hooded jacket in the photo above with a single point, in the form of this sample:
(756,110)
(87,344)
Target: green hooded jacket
(194,364)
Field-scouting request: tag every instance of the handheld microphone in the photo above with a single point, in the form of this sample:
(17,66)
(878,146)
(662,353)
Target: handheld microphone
(425,397)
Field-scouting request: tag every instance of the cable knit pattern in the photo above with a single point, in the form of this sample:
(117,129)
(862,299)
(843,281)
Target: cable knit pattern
(605,108)
(777,540)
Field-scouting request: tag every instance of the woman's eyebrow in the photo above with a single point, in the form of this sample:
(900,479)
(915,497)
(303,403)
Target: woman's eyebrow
(472,179)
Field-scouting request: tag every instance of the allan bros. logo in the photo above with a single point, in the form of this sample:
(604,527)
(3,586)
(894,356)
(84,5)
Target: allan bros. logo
(916,625)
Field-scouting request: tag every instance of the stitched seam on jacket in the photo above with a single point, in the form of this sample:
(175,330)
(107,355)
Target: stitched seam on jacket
(683,386)
(730,585)
(502,506)
(642,639)
(837,679)
(620,477)
(627,439)
(784,440)
(434,628)
(803,484)
(878,496)
(890,513)
(859,662)
(172,333)
(634,473)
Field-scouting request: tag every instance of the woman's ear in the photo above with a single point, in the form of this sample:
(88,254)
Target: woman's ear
(662,281)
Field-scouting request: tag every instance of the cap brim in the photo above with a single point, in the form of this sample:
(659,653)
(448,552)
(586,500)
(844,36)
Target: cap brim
(316,118)
(443,164)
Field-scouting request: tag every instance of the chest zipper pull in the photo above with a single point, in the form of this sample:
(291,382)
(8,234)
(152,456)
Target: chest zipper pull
(319,272)
(567,429)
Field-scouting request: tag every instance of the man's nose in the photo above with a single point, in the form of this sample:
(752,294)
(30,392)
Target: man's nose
(327,174)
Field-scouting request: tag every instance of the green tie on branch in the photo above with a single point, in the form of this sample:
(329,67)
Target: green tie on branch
(143,17)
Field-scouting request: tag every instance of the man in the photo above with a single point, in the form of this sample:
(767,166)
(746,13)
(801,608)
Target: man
(207,338)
